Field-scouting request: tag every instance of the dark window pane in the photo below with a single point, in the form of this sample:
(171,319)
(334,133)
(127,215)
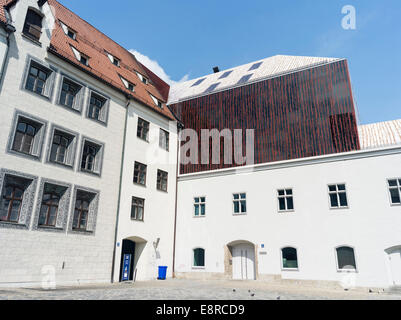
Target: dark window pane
(392,183)
(333,200)
(395,196)
(236,207)
(332,188)
(341,187)
(281,202)
(199,258)
(290,259)
(243,206)
(343,199)
(346,258)
(290,203)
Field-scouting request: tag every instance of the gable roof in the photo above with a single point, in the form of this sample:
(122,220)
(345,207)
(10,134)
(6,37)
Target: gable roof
(242,75)
(96,45)
(380,134)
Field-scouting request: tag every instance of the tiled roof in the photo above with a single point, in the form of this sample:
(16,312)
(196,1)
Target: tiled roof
(242,75)
(94,44)
(4,3)
(380,134)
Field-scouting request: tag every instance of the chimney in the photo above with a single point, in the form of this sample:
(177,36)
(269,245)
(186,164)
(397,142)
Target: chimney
(216,69)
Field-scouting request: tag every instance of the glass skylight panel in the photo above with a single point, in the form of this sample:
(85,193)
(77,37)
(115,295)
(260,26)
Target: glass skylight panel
(198,82)
(225,74)
(255,66)
(245,78)
(212,87)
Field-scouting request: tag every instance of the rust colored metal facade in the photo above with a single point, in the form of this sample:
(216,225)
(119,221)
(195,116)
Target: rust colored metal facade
(302,114)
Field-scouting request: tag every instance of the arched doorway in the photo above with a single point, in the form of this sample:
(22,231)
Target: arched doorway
(241,260)
(131,251)
(394,258)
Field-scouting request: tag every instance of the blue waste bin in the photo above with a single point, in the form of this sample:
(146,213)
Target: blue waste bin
(162,273)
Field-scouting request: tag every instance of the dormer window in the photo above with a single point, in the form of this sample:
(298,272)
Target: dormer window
(142,78)
(84,59)
(113,59)
(129,85)
(33,25)
(157,102)
(68,31)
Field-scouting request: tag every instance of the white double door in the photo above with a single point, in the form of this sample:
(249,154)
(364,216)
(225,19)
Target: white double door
(395,266)
(243,262)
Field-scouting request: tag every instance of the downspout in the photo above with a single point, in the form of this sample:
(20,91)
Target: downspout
(119,191)
(179,127)
(9,29)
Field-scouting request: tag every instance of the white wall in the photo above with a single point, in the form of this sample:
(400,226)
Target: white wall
(23,253)
(370,224)
(159,206)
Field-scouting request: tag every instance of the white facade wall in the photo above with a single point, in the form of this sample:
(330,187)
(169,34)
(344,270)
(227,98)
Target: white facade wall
(159,210)
(370,225)
(77,258)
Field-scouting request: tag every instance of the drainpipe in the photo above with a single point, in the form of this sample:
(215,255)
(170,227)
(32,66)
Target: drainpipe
(9,29)
(179,128)
(119,191)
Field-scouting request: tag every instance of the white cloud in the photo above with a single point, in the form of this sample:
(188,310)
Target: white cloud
(156,68)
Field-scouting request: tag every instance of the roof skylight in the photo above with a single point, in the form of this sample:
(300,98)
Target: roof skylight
(212,87)
(245,78)
(198,82)
(255,66)
(225,74)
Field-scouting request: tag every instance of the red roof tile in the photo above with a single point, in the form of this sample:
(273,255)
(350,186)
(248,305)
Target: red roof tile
(94,44)
(4,3)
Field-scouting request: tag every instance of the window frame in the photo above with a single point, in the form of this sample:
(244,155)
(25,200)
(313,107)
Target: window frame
(389,191)
(199,204)
(99,158)
(157,180)
(146,171)
(148,129)
(193,259)
(239,200)
(79,102)
(104,116)
(26,210)
(282,259)
(167,135)
(285,197)
(27,33)
(337,192)
(337,261)
(49,83)
(136,211)
(38,141)
(71,150)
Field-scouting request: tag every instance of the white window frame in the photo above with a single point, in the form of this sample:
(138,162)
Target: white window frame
(337,192)
(282,259)
(397,187)
(193,259)
(239,200)
(199,204)
(355,258)
(285,196)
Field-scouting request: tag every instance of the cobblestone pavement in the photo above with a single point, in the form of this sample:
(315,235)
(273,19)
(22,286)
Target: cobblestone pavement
(192,290)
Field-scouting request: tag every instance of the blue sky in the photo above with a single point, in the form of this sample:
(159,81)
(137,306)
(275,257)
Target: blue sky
(186,39)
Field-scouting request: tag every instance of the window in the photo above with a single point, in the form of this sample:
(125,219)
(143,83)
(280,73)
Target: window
(33,25)
(198,82)
(338,196)
(83,203)
(38,79)
(143,129)
(285,200)
(289,258)
(239,203)
(91,157)
(200,206)
(116,62)
(395,191)
(225,74)
(71,34)
(62,150)
(11,203)
(84,59)
(16,198)
(212,87)
(199,257)
(140,173)
(25,134)
(164,139)
(162,180)
(345,258)
(97,109)
(255,66)
(130,87)
(50,205)
(245,78)
(137,209)
(69,94)
(68,31)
